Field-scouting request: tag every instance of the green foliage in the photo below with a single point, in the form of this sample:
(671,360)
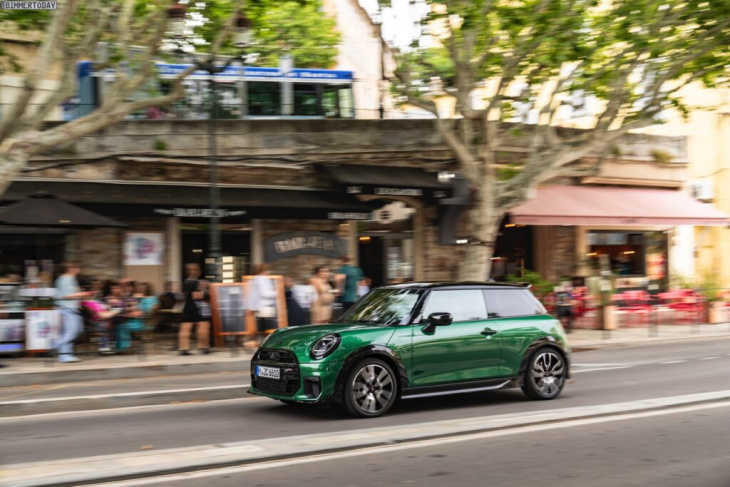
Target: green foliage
(661,156)
(299,27)
(160,145)
(508,172)
(539,285)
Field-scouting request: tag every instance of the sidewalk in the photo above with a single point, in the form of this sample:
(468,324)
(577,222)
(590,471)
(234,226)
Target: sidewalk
(34,371)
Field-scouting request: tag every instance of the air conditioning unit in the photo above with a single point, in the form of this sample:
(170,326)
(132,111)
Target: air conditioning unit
(703,190)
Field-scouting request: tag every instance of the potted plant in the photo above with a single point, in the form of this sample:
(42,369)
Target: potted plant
(708,286)
(602,289)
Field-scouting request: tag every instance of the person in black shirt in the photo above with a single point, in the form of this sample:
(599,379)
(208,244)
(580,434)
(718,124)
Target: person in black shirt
(196,312)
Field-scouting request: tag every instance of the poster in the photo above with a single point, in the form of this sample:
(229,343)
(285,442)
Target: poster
(12,332)
(144,249)
(42,329)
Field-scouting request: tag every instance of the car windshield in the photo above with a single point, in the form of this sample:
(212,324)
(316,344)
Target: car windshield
(386,306)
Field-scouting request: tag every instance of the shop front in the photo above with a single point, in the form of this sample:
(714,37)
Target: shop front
(629,233)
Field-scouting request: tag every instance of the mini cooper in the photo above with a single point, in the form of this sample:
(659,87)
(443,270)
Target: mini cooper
(417,340)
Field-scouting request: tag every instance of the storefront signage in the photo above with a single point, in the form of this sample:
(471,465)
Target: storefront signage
(389,191)
(349,215)
(304,243)
(199,212)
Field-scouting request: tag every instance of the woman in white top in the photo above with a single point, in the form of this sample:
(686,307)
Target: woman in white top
(262,299)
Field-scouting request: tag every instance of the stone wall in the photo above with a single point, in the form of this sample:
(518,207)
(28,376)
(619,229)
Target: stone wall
(563,263)
(441,262)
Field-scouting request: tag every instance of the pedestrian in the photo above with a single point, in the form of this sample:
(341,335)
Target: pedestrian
(95,310)
(565,305)
(68,300)
(138,309)
(262,300)
(305,294)
(322,306)
(294,313)
(348,277)
(195,313)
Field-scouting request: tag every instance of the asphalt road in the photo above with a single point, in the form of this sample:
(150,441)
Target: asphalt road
(601,377)
(673,450)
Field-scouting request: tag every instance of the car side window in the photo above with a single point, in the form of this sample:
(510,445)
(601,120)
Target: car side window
(464,305)
(506,303)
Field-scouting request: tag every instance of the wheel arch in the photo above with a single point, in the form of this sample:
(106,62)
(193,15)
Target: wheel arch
(377,351)
(544,342)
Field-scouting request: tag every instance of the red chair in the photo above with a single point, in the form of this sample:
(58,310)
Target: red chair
(687,305)
(635,304)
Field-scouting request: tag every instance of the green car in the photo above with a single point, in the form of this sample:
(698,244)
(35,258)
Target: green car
(417,340)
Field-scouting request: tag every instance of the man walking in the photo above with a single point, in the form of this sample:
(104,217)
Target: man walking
(68,300)
(348,277)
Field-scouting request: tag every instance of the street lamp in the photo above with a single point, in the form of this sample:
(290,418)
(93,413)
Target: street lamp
(176,14)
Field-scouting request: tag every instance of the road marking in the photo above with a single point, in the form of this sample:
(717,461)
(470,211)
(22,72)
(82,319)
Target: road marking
(602,368)
(673,362)
(127,394)
(407,446)
(599,365)
(709,358)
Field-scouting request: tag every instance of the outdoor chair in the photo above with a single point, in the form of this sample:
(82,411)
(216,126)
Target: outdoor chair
(635,306)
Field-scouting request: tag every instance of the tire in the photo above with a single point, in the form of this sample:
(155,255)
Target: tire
(545,375)
(371,389)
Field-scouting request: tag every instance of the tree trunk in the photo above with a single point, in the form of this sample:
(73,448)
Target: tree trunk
(10,166)
(483,223)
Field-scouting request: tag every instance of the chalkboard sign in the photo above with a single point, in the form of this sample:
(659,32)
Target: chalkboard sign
(228,308)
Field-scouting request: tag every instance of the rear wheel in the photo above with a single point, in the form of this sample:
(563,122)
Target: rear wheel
(371,389)
(545,375)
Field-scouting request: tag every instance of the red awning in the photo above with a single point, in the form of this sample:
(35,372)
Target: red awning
(601,205)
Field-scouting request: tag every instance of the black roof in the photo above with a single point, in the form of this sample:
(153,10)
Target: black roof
(461,284)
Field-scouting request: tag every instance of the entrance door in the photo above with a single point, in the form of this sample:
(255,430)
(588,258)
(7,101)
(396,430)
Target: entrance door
(459,352)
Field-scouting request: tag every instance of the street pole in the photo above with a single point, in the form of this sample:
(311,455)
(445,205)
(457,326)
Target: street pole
(214,251)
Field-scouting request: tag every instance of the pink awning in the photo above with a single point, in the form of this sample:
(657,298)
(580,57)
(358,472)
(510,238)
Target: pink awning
(600,205)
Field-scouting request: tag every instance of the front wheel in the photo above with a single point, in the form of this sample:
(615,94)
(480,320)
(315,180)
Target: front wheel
(371,389)
(545,375)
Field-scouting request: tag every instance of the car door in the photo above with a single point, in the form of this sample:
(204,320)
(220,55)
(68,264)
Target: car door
(520,318)
(460,352)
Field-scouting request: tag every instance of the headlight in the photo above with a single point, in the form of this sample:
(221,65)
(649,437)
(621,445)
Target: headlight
(324,346)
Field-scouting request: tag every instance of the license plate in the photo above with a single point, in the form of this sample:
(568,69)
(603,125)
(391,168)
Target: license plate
(268,372)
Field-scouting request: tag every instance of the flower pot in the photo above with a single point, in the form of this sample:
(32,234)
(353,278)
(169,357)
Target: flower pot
(609,318)
(718,312)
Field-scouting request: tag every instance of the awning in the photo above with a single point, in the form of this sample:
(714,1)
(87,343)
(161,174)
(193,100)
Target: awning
(44,210)
(192,201)
(600,205)
(387,181)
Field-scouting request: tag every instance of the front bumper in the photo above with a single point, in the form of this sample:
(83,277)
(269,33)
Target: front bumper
(306,382)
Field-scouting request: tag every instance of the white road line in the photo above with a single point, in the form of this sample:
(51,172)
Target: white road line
(673,362)
(709,358)
(598,365)
(407,446)
(127,394)
(598,369)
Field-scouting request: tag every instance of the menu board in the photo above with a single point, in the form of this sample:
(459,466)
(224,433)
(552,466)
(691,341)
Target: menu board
(229,308)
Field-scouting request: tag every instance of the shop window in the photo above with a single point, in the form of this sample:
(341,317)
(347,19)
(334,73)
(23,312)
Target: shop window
(264,98)
(622,253)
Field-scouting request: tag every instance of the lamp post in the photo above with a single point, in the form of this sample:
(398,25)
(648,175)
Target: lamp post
(176,25)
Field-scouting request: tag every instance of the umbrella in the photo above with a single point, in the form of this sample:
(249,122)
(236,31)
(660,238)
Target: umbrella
(45,210)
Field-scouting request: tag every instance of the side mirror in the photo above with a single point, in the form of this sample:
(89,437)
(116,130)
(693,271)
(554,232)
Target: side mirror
(437,319)
(440,319)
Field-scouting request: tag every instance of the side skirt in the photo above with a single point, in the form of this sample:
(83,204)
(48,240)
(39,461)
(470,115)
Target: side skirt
(459,388)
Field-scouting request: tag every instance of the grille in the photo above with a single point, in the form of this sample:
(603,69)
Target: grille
(288,385)
(282,356)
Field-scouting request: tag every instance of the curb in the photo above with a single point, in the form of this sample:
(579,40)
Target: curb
(108,468)
(32,407)
(584,347)
(11,378)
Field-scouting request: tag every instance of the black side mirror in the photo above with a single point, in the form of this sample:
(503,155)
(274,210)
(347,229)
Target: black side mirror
(437,319)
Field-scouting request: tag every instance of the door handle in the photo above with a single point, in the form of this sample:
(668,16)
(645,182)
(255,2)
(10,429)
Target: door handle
(489,332)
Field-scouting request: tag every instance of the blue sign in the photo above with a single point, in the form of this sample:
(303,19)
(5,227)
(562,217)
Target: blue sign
(168,71)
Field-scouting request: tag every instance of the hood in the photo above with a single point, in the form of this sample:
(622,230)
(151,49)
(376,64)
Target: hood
(300,339)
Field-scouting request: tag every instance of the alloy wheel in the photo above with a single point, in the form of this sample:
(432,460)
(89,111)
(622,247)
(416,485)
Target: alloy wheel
(373,389)
(548,373)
